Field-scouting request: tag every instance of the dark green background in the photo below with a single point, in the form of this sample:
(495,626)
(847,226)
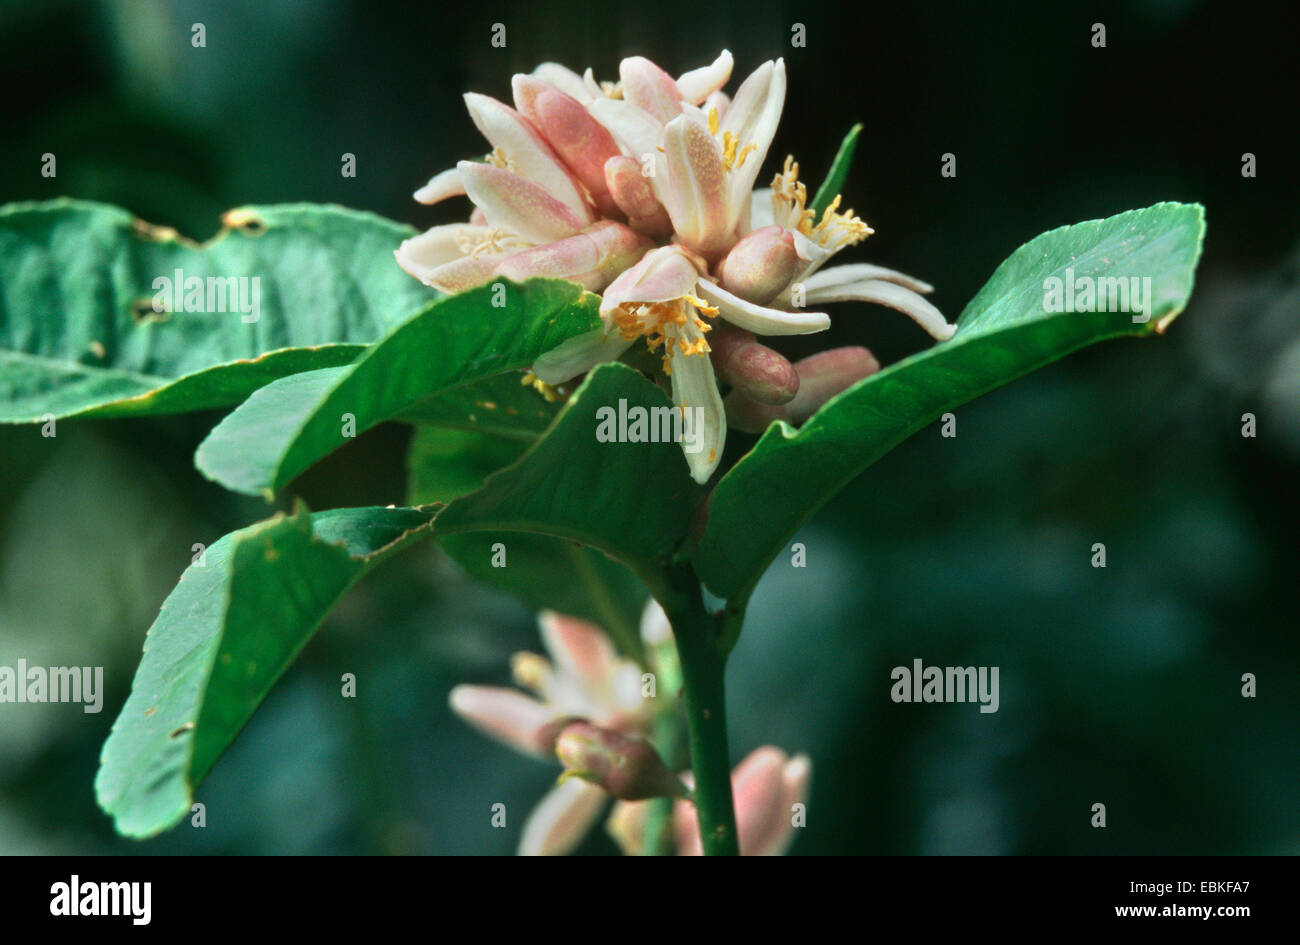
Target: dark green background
(1119,686)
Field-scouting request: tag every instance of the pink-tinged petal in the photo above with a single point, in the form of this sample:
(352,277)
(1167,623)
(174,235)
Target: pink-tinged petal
(440,187)
(662,275)
(564,79)
(649,88)
(719,102)
(753,369)
(896,297)
(527,151)
(760,320)
(696,195)
(582,142)
(579,354)
(562,818)
(592,257)
(515,204)
(821,283)
(761,265)
(821,376)
(753,117)
(591,85)
(478,217)
(508,716)
(420,255)
(638,133)
(579,648)
(695,392)
(757,786)
(461,274)
(698,84)
(633,194)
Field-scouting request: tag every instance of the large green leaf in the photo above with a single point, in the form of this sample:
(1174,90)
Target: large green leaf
(631,500)
(1003,333)
(285,427)
(544,572)
(228,631)
(79,336)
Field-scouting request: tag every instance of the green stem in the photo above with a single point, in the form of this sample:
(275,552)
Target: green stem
(703,666)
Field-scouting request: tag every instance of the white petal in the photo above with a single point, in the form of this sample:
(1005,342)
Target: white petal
(753,116)
(637,133)
(440,187)
(760,209)
(696,391)
(896,297)
(578,355)
(818,284)
(655,628)
(529,154)
(699,84)
(562,818)
(564,79)
(760,320)
(505,714)
(421,254)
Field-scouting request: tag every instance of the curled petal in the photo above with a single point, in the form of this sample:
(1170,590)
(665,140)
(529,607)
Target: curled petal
(440,187)
(753,369)
(592,257)
(896,297)
(662,275)
(579,648)
(760,320)
(579,354)
(508,716)
(562,818)
(821,377)
(514,203)
(698,84)
(649,88)
(422,254)
(695,393)
(526,150)
(564,79)
(696,195)
(821,284)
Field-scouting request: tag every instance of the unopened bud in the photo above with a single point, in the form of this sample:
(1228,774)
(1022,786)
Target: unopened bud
(627,767)
(821,377)
(761,265)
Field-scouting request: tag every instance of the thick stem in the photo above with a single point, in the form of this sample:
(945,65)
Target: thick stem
(702,677)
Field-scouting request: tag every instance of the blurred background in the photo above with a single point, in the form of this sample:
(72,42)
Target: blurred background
(1120,686)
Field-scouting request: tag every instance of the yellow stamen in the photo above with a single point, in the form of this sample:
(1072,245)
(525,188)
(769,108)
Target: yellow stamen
(546,390)
(661,322)
(789,206)
(530,671)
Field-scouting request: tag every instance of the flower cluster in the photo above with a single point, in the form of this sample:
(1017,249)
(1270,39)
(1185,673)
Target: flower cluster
(590,712)
(644,190)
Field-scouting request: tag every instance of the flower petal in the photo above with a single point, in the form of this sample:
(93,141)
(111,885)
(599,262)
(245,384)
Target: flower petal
(564,79)
(649,88)
(896,297)
(507,715)
(753,116)
(698,84)
(637,132)
(461,274)
(815,285)
(512,202)
(695,393)
(696,195)
(592,257)
(562,818)
(579,354)
(421,254)
(760,320)
(662,275)
(579,648)
(440,187)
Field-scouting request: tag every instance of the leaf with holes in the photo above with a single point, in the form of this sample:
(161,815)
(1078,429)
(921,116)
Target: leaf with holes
(280,289)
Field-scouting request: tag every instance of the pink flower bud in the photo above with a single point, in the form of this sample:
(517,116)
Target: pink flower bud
(579,139)
(632,193)
(821,377)
(761,374)
(761,265)
(627,767)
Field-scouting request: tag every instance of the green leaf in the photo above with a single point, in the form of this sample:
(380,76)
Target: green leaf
(833,185)
(79,336)
(544,572)
(285,427)
(234,624)
(632,501)
(1003,333)
(500,406)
